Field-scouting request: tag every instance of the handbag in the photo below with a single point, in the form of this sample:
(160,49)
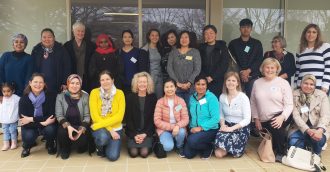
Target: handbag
(158,148)
(265,149)
(303,159)
(232,64)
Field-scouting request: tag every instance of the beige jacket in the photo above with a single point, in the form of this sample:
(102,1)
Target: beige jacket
(319,113)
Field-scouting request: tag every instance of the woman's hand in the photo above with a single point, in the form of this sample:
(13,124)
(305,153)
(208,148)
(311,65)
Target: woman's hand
(325,90)
(175,130)
(63,88)
(284,76)
(25,120)
(258,123)
(315,134)
(196,129)
(227,129)
(223,127)
(114,135)
(48,121)
(277,121)
(140,138)
(70,133)
(209,79)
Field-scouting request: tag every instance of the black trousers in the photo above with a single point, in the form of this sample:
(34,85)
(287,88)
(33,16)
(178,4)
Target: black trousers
(279,135)
(65,143)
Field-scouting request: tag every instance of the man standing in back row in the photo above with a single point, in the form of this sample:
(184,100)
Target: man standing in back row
(249,55)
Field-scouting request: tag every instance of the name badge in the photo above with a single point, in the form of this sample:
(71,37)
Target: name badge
(247,49)
(189,57)
(133,60)
(273,89)
(202,101)
(304,109)
(178,107)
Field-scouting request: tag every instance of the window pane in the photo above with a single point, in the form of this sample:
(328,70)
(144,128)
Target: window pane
(266,15)
(303,12)
(109,17)
(20,16)
(173,14)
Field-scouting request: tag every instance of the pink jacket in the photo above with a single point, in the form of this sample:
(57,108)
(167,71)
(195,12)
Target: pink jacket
(162,115)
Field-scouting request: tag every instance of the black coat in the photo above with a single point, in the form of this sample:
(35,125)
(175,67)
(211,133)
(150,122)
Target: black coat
(61,63)
(247,58)
(100,62)
(90,49)
(215,66)
(144,61)
(26,108)
(133,116)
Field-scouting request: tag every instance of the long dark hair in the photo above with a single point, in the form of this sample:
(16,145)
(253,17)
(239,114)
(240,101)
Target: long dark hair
(159,45)
(303,42)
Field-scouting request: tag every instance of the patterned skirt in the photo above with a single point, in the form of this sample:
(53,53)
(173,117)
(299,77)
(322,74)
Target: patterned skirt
(233,142)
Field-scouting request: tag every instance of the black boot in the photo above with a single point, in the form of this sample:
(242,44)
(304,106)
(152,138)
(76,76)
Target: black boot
(65,154)
(100,151)
(25,152)
(51,147)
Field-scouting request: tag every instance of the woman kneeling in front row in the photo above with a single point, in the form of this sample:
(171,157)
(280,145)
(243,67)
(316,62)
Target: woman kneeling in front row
(311,116)
(235,118)
(204,122)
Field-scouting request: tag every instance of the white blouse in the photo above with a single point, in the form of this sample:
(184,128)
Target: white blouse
(9,109)
(238,111)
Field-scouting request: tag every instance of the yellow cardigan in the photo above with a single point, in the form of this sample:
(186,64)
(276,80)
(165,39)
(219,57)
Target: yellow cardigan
(111,120)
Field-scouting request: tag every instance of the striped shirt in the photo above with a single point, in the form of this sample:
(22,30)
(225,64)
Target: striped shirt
(316,63)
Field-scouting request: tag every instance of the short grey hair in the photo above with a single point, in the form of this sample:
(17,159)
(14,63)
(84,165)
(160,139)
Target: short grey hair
(20,36)
(77,24)
(281,39)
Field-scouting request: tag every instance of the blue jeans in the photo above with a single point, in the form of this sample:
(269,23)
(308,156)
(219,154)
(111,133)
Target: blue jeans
(166,139)
(306,140)
(102,137)
(9,131)
(30,135)
(201,142)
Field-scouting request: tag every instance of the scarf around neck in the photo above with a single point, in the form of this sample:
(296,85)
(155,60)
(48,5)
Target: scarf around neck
(37,102)
(305,98)
(107,99)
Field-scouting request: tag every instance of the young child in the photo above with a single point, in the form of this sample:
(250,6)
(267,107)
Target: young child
(9,116)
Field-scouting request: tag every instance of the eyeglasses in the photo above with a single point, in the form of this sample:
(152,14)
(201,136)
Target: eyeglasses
(274,41)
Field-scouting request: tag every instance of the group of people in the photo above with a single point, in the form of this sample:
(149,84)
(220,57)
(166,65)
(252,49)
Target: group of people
(170,88)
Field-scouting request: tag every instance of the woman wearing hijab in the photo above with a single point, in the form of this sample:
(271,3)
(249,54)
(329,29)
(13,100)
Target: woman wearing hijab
(311,116)
(104,58)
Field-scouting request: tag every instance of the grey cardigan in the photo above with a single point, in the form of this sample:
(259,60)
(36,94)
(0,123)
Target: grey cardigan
(83,105)
(184,67)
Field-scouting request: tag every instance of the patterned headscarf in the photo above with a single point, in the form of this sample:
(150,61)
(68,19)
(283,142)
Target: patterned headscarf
(70,78)
(304,97)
